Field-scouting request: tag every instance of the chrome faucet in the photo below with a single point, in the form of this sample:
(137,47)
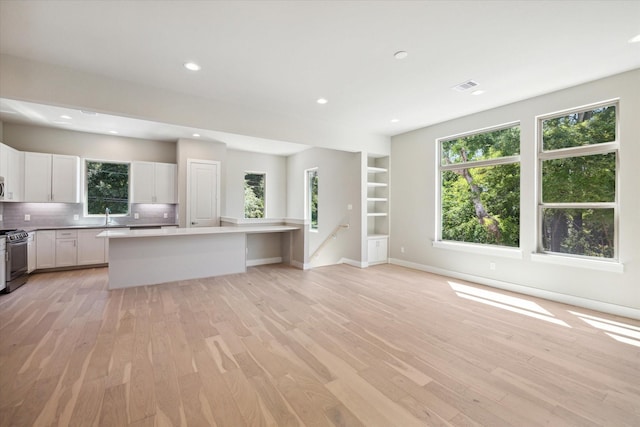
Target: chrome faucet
(107,220)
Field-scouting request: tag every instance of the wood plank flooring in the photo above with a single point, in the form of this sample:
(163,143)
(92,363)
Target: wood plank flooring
(334,346)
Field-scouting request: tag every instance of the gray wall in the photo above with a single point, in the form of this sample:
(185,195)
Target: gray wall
(339,175)
(414,179)
(275,167)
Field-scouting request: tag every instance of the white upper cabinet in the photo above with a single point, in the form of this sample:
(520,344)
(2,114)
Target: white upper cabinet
(153,182)
(12,170)
(51,178)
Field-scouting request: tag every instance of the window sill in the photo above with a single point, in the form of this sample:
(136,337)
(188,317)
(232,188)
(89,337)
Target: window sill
(479,249)
(568,261)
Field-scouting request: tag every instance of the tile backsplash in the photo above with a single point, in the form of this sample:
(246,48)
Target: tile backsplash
(62,215)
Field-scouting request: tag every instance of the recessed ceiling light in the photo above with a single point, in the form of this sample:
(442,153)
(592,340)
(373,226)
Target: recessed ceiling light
(192,66)
(66,117)
(401,54)
(477,92)
(115,132)
(322,101)
(395,120)
(196,135)
(89,113)
(635,39)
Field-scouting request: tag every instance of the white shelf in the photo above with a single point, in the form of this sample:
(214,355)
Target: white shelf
(376,214)
(376,184)
(377,236)
(377,199)
(372,169)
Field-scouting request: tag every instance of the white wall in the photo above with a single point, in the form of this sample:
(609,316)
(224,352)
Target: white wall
(91,145)
(339,176)
(413,184)
(275,167)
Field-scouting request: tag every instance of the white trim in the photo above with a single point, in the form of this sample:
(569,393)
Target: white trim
(479,248)
(353,263)
(604,307)
(572,261)
(252,221)
(264,261)
(298,264)
(295,221)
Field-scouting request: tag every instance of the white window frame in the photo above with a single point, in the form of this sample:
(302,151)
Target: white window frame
(264,174)
(472,247)
(85,182)
(307,191)
(599,263)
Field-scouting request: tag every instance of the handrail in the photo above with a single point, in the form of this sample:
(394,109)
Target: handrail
(333,235)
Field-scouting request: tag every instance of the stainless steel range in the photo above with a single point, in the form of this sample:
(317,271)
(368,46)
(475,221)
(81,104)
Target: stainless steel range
(15,258)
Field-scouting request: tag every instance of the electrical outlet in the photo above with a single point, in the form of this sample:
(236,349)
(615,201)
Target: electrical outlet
(492,266)
(401,249)
(165,215)
(349,207)
(136,215)
(27,217)
(0,217)
(76,217)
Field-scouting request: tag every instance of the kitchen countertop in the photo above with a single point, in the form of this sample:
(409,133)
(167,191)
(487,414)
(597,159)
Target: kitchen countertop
(81,227)
(116,234)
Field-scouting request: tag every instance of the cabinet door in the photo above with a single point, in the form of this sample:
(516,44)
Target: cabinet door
(37,177)
(31,252)
(91,249)
(65,174)
(66,252)
(14,180)
(143,179)
(165,185)
(46,249)
(377,250)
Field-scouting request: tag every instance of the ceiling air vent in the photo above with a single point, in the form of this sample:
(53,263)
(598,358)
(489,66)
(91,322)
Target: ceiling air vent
(465,85)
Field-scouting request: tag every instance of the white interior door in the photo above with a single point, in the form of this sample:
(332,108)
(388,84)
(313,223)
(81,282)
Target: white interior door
(204,178)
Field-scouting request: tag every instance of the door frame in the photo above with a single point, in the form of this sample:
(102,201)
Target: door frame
(188,201)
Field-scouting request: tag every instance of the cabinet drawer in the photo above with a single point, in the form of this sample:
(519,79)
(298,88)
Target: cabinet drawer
(66,234)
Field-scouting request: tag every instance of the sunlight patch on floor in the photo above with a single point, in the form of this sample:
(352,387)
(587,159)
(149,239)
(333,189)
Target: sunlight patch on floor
(619,331)
(505,302)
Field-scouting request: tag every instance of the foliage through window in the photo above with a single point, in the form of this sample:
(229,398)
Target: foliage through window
(107,187)
(312,197)
(577,201)
(480,187)
(254,195)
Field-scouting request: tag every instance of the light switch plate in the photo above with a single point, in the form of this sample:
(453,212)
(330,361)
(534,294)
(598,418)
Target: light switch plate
(349,206)
(27,217)
(166,215)
(0,217)
(76,217)
(136,215)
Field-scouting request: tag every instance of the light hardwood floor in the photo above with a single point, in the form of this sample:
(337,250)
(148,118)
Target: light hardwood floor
(383,346)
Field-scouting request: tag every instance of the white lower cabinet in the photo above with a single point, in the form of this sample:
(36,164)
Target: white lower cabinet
(45,249)
(66,248)
(31,252)
(91,249)
(377,250)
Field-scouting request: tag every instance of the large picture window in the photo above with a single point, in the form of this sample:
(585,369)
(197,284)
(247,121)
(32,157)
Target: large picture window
(107,187)
(254,195)
(480,187)
(577,198)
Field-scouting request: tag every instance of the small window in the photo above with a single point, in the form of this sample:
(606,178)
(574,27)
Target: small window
(577,199)
(312,198)
(480,187)
(254,195)
(107,187)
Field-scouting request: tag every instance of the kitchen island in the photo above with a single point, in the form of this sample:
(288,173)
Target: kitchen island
(149,257)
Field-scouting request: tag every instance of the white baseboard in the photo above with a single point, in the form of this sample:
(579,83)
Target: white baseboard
(263,261)
(300,265)
(604,307)
(353,263)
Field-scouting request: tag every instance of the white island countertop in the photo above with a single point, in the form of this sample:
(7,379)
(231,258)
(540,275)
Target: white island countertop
(121,233)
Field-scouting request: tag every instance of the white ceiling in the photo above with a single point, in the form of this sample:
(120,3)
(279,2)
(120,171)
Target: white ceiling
(280,56)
